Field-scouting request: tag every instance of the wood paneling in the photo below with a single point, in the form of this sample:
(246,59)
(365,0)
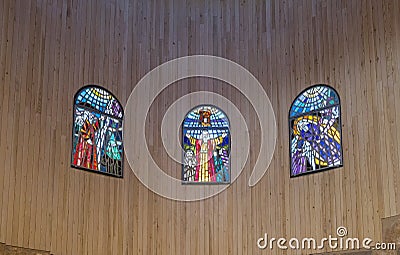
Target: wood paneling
(50,48)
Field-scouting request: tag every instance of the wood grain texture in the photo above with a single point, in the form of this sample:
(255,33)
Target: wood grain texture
(51,48)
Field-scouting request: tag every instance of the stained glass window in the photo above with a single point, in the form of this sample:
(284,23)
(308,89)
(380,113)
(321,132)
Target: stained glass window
(206,144)
(315,131)
(97,131)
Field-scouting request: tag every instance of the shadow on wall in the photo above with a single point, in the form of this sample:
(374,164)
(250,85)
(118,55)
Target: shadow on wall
(391,232)
(12,250)
(347,253)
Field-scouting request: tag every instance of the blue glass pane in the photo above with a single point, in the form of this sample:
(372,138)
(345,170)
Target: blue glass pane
(99,99)
(313,99)
(206,116)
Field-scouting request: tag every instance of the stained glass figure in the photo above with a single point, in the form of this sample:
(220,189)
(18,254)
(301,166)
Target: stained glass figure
(315,131)
(206,144)
(97,131)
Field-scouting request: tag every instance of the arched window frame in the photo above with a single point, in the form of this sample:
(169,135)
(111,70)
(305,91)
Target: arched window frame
(339,129)
(119,118)
(182,144)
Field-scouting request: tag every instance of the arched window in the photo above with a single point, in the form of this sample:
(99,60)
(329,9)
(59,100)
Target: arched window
(315,131)
(97,131)
(206,144)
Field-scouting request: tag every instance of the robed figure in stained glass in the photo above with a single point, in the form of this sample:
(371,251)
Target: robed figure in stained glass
(315,131)
(85,155)
(97,131)
(206,143)
(205,148)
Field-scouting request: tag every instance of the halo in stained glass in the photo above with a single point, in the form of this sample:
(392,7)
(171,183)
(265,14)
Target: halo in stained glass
(197,118)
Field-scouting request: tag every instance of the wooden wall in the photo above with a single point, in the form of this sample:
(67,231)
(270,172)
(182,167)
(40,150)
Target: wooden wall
(50,48)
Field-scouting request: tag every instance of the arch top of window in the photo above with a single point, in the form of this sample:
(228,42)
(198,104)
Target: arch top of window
(218,119)
(314,98)
(99,99)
